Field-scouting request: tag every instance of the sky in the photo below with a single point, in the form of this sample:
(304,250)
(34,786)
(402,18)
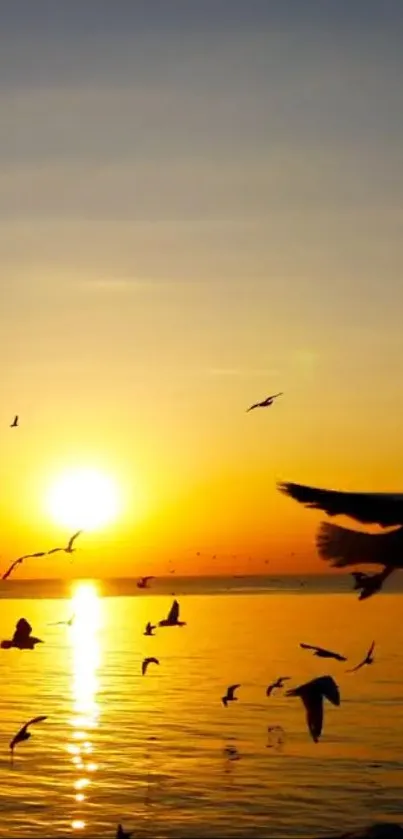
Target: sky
(200,205)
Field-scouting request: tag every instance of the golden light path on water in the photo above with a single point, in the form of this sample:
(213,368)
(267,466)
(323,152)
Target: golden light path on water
(86,606)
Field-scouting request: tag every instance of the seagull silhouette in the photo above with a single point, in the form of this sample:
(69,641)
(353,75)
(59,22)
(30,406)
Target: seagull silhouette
(323,653)
(146,662)
(279,683)
(265,402)
(369,584)
(14,423)
(142,583)
(22,638)
(149,629)
(312,694)
(23,734)
(173,617)
(369,659)
(19,561)
(229,696)
(68,549)
(69,622)
(123,834)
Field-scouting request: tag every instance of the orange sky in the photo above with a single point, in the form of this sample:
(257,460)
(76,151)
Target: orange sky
(193,216)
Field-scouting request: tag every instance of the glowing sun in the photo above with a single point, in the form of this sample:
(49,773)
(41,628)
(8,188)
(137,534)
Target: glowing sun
(83,499)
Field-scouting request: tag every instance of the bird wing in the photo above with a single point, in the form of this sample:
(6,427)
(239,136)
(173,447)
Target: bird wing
(146,579)
(73,538)
(313,703)
(371,649)
(275,395)
(345,547)
(34,720)
(357,667)
(231,690)
(269,689)
(173,614)
(144,665)
(255,405)
(11,568)
(328,687)
(23,630)
(55,550)
(310,647)
(385,509)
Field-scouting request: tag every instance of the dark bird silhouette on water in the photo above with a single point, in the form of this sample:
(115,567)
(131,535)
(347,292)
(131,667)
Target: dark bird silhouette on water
(68,549)
(321,652)
(369,659)
(24,734)
(123,834)
(19,561)
(22,638)
(279,683)
(344,547)
(229,696)
(369,584)
(146,662)
(265,403)
(143,582)
(173,617)
(15,421)
(149,629)
(69,622)
(312,694)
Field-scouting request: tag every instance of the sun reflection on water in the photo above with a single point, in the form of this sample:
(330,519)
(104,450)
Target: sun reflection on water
(86,659)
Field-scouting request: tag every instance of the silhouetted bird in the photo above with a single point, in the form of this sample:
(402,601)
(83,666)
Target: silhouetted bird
(312,694)
(265,402)
(173,617)
(279,683)
(146,662)
(22,638)
(69,622)
(369,584)
(19,561)
(142,583)
(369,659)
(229,696)
(24,734)
(123,834)
(149,629)
(322,653)
(15,421)
(68,549)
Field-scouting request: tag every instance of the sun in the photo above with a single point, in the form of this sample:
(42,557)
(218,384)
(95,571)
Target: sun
(84,499)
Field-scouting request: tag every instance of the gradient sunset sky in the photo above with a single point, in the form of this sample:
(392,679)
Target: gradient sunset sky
(201,204)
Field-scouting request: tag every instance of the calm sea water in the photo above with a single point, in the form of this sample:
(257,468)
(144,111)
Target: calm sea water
(161,754)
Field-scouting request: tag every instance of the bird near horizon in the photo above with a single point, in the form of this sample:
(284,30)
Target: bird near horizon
(24,734)
(123,834)
(312,694)
(15,422)
(68,622)
(279,683)
(229,696)
(149,629)
(321,652)
(369,659)
(265,403)
(369,584)
(68,549)
(19,561)
(173,617)
(143,582)
(146,662)
(22,638)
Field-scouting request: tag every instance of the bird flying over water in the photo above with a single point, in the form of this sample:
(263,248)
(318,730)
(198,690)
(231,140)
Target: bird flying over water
(149,629)
(265,403)
(142,583)
(279,683)
(312,694)
(69,622)
(146,662)
(24,734)
(369,584)
(22,638)
(229,696)
(14,423)
(68,549)
(321,652)
(369,659)
(19,561)
(173,617)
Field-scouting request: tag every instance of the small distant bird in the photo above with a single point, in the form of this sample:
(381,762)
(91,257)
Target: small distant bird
(68,549)
(19,561)
(142,583)
(229,696)
(323,653)
(23,734)
(173,617)
(149,629)
(279,683)
(369,659)
(69,622)
(231,752)
(15,421)
(22,638)
(369,584)
(265,402)
(146,662)
(312,694)
(123,834)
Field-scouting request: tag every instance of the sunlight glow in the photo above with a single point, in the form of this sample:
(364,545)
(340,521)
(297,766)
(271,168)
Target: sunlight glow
(83,499)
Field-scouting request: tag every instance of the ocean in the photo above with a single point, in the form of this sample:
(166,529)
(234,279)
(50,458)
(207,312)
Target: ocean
(160,753)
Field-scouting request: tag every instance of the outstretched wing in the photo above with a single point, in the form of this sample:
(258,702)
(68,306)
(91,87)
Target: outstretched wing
(174,612)
(344,547)
(255,405)
(328,687)
(73,538)
(231,690)
(357,667)
(55,550)
(313,703)
(385,509)
(371,649)
(35,720)
(310,647)
(10,569)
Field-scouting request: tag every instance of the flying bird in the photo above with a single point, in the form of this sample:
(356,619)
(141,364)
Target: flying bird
(142,583)
(149,629)
(69,622)
(24,734)
(265,402)
(369,659)
(146,662)
(279,683)
(68,549)
(229,696)
(22,638)
(323,653)
(369,584)
(14,423)
(123,834)
(312,694)
(19,561)
(173,617)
